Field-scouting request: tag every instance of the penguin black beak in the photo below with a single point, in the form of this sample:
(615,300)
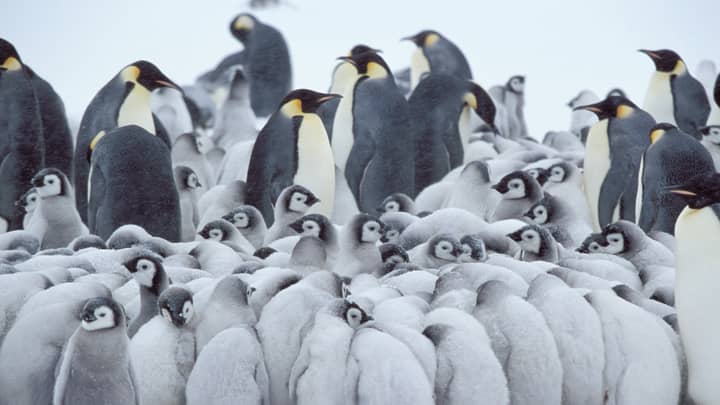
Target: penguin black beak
(37,181)
(205,233)
(684,193)
(649,53)
(297,226)
(500,188)
(530,215)
(590,107)
(88,317)
(347,59)
(327,97)
(516,236)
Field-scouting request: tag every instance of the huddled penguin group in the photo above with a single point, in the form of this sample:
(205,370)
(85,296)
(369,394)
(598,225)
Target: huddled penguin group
(401,238)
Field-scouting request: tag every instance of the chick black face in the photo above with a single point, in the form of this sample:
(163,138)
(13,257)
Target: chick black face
(49,183)
(514,185)
(591,244)
(186,178)
(355,316)
(615,240)
(700,191)
(665,60)
(176,305)
(101,313)
(146,269)
(516,84)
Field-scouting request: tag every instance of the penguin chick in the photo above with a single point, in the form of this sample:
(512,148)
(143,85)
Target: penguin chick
(473,249)
(566,179)
(711,142)
(223,231)
(395,224)
(397,202)
(148,272)
(555,214)
(28,202)
(627,240)
(440,250)
(471,191)
(96,365)
(319,226)
(358,250)
(250,222)
(163,350)
(519,192)
(591,244)
(56,221)
(392,255)
(187,184)
(291,205)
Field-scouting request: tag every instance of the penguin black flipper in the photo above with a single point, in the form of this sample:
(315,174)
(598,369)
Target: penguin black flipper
(649,207)
(359,159)
(691,104)
(610,192)
(161,132)
(629,197)
(454,146)
(97,194)
(237,58)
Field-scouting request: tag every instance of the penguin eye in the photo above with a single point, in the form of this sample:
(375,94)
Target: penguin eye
(529,236)
(372,227)
(533,173)
(392,234)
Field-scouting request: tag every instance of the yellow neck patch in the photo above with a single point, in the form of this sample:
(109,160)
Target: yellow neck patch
(130,74)
(679,68)
(431,39)
(292,108)
(244,23)
(470,100)
(376,71)
(12,63)
(656,135)
(623,111)
(96,139)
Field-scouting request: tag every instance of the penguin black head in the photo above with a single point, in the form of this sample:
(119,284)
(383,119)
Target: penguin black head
(445,247)
(473,249)
(317,225)
(264,252)
(531,238)
(242,26)
(243,217)
(615,240)
(147,270)
(481,102)
(298,198)
(539,174)
(424,38)
(665,60)
(559,172)
(700,191)
(367,229)
(362,48)
(9,58)
(28,201)
(591,244)
(304,101)
(370,64)
(186,178)
(516,185)
(354,315)
(711,133)
(49,182)
(176,305)
(397,202)
(659,130)
(611,107)
(542,211)
(218,230)
(101,313)
(147,75)
(393,254)
(516,84)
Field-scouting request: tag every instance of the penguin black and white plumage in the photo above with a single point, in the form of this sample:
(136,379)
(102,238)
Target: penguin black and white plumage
(152,280)
(56,221)
(358,250)
(436,54)
(292,148)
(131,182)
(673,95)
(473,249)
(124,100)
(293,202)
(613,153)
(511,97)
(319,226)
(627,240)
(187,183)
(21,135)
(96,363)
(562,221)
(674,157)
(163,350)
(519,191)
(397,202)
(266,62)
(697,231)
(440,112)
(250,222)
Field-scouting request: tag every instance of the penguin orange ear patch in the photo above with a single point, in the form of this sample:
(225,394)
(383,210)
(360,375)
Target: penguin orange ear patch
(11,64)
(431,39)
(130,73)
(244,23)
(94,142)
(656,135)
(471,100)
(623,111)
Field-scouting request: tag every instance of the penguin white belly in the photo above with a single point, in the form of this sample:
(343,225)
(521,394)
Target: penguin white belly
(342,140)
(639,194)
(465,128)
(597,164)
(4,225)
(658,99)
(134,110)
(316,166)
(714,118)
(419,65)
(698,236)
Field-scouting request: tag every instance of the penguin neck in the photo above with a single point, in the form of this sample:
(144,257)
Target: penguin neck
(465,126)
(419,65)
(135,109)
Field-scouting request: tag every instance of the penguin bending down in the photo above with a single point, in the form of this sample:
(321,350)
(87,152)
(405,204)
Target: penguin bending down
(292,148)
(436,54)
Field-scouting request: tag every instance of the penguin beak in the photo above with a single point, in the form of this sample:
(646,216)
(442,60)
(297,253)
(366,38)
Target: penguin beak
(88,316)
(327,97)
(649,53)
(37,181)
(500,188)
(297,226)
(347,59)
(685,193)
(590,107)
(516,236)
(529,215)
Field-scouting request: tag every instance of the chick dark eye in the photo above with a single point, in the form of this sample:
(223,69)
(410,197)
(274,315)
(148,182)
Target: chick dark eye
(102,315)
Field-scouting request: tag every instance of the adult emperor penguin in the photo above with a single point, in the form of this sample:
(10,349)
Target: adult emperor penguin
(292,148)
(440,112)
(697,232)
(56,221)
(436,54)
(674,96)
(511,96)
(614,148)
(131,182)
(674,157)
(96,365)
(380,140)
(124,100)
(21,135)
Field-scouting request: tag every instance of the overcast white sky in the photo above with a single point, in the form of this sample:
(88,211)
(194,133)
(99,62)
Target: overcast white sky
(562,46)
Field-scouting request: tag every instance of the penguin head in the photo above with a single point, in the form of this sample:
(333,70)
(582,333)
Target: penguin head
(369,64)
(591,244)
(147,270)
(539,174)
(659,130)
(304,101)
(9,58)
(397,202)
(515,185)
(391,234)
(615,240)
(700,191)
(217,230)
(299,199)
(393,254)
(242,26)
(611,107)
(101,313)
(473,249)
(559,172)
(243,217)
(424,38)
(175,304)
(516,84)
(354,315)
(362,48)
(541,212)
(316,225)
(711,133)
(445,247)
(186,178)
(480,101)
(366,228)
(531,238)
(147,75)
(264,252)
(28,201)
(666,61)
(50,182)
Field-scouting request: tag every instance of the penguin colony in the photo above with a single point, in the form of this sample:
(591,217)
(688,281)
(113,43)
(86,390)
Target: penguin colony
(400,239)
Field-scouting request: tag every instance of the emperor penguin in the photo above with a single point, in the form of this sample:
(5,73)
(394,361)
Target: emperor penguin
(150,275)
(697,232)
(28,203)
(56,221)
(440,112)
(566,179)
(319,226)
(163,350)
(250,222)
(124,100)
(519,191)
(293,202)
(472,191)
(438,251)
(614,150)
(96,366)
(21,135)
(187,184)
(512,96)
(436,54)
(557,215)
(711,142)
(674,157)
(673,95)
(223,231)
(627,240)
(267,62)
(293,148)
(131,182)
(358,250)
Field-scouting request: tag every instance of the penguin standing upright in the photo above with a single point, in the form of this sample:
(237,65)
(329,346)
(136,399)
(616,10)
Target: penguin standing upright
(292,148)
(380,160)
(697,232)
(124,100)
(436,54)
(614,149)
(440,114)
(511,96)
(674,157)
(21,135)
(674,96)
